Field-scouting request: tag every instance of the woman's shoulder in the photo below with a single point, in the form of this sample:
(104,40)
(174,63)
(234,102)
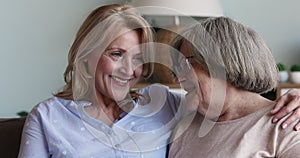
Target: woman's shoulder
(56,106)
(154,86)
(53,102)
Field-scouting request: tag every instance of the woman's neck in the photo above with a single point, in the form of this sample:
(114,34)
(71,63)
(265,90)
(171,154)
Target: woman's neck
(104,109)
(240,103)
(110,108)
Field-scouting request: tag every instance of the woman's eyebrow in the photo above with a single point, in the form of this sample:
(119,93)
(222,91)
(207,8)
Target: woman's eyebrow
(115,48)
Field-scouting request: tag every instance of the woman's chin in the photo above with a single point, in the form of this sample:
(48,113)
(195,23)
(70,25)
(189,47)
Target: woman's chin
(120,92)
(120,95)
(192,101)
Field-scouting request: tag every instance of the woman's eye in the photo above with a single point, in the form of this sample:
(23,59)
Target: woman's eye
(116,55)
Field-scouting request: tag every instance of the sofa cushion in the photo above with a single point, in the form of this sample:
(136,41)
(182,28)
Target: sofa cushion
(10,136)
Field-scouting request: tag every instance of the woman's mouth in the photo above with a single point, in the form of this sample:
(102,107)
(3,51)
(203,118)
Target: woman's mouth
(188,86)
(189,89)
(120,81)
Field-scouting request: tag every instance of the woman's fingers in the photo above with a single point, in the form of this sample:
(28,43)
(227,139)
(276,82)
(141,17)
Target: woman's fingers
(292,118)
(285,106)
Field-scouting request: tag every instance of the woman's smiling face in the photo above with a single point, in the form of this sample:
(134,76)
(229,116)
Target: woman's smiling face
(119,67)
(201,87)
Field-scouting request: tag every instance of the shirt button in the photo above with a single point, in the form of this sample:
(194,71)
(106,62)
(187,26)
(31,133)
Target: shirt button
(117,145)
(110,132)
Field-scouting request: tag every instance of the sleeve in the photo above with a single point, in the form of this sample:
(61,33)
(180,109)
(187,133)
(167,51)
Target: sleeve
(33,143)
(170,100)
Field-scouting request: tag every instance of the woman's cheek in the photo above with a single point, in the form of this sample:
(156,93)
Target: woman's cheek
(105,66)
(138,71)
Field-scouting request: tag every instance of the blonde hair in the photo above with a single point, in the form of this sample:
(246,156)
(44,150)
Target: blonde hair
(100,28)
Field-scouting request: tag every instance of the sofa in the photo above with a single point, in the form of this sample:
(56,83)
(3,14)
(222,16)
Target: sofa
(10,136)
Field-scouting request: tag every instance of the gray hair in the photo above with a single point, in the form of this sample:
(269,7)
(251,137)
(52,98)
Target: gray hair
(247,61)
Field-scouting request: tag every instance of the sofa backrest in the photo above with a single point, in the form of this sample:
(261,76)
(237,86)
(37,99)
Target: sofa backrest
(10,136)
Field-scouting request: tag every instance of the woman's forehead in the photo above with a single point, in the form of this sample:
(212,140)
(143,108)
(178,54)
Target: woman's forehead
(129,40)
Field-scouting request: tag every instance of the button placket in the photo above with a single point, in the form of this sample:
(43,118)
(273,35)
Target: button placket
(116,145)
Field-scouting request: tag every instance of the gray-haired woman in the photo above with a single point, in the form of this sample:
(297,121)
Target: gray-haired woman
(232,66)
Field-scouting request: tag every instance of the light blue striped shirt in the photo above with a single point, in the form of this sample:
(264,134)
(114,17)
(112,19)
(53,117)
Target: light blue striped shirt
(61,128)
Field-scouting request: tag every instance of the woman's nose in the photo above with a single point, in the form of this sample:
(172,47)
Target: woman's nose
(127,67)
(177,80)
(180,78)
